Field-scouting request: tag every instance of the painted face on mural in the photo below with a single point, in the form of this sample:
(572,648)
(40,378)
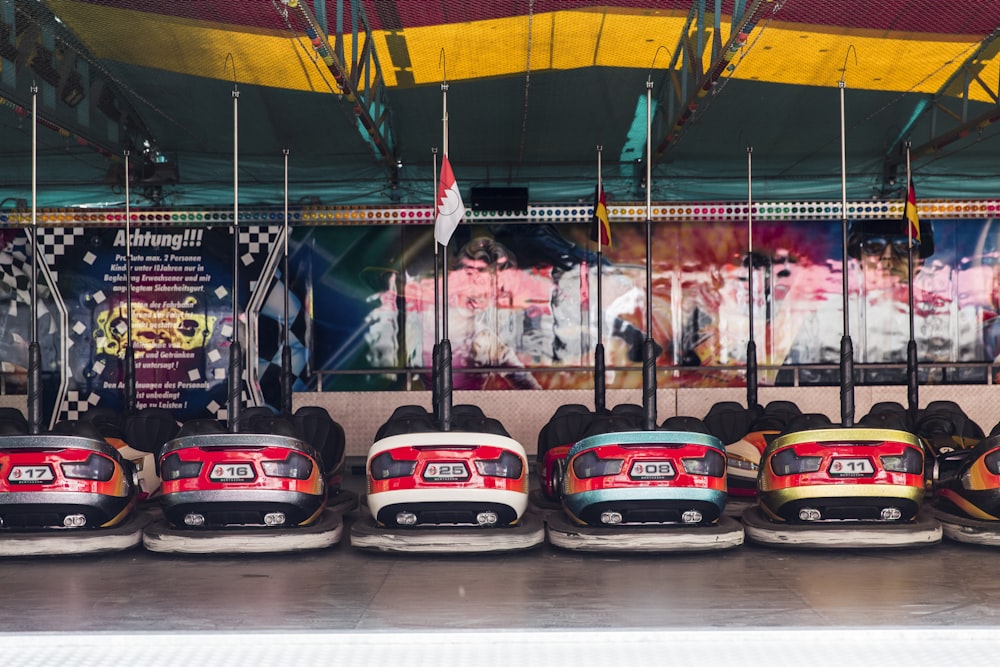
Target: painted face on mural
(887,253)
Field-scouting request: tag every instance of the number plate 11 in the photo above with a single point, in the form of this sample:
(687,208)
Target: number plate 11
(845,467)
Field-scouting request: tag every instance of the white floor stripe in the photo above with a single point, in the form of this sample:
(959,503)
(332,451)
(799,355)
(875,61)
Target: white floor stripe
(884,647)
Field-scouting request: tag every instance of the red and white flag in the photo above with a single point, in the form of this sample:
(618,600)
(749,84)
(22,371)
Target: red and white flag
(450,209)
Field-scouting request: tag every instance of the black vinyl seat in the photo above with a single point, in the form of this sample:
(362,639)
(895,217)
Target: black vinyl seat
(82,429)
(322,432)
(684,423)
(12,422)
(407,419)
(201,426)
(729,421)
(566,426)
(943,418)
(776,416)
(609,423)
(632,412)
(808,421)
(149,428)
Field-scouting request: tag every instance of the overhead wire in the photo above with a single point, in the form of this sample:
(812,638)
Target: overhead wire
(527,84)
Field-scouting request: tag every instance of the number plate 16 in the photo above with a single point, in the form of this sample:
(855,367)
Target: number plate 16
(231,472)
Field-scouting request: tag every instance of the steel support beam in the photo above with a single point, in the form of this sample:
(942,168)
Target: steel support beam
(358,76)
(691,79)
(949,109)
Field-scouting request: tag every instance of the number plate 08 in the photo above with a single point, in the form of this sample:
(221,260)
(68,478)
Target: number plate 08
(652,470)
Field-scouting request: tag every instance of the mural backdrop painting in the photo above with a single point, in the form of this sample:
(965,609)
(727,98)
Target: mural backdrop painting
(522,306)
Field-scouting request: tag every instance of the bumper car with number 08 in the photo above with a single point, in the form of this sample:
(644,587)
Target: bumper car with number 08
(632,490)
(260,489)
(841,487)
(462,490)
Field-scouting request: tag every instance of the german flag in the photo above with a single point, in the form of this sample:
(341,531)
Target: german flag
(600,226)
(910,213)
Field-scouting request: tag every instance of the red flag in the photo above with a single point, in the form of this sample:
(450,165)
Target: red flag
(600,227)
(450,209)
(910,213)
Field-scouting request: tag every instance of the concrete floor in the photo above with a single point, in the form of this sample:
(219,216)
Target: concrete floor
(345,589)
(342,594)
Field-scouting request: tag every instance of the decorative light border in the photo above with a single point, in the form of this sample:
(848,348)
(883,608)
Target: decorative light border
(551,213)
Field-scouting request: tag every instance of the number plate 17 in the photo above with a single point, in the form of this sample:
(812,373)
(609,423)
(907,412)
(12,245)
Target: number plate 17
(30,475)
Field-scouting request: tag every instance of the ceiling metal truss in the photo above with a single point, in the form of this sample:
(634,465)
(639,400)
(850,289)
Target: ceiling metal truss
(358,74)
(691,78)
(950,119)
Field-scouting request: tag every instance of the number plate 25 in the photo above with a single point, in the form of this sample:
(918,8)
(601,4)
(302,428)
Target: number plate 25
(446,471)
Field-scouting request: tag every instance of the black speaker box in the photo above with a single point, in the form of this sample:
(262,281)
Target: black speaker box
(499,199)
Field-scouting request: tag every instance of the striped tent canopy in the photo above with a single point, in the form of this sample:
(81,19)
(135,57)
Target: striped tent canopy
(353,90)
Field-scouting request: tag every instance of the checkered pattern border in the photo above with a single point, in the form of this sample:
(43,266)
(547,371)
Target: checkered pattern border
(53,243)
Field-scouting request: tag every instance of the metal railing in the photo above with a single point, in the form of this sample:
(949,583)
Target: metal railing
(800,375)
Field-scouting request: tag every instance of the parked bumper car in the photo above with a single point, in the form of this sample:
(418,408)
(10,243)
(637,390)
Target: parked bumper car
(259,489)
(822,486)
(460,490)
(635,490)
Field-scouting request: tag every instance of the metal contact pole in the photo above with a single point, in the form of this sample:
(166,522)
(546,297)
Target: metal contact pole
(130,379)
(846,346)
(444,409)
(751,345)
(235,351)
(600,367)
(912,377)
(286,350)
(34,398)
(649,346)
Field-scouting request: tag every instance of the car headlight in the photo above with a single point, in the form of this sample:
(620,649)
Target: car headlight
(295,466)
(96,467)
(787,462)
(589,464)
(992,462)
(508,465)
(712,464)
(174,468)
(384,466)
(910,461)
